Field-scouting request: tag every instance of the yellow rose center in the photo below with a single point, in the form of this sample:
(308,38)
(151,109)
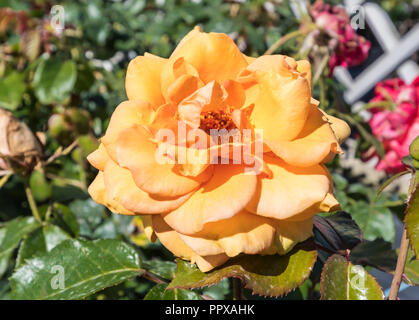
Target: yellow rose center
(216,120)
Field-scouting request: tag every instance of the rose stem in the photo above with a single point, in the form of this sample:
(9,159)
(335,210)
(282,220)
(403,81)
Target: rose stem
(237,289)
(32,203)
(401,259)
(282,40)
(152,278)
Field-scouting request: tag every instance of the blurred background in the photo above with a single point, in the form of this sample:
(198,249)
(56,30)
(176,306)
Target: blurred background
(62,69)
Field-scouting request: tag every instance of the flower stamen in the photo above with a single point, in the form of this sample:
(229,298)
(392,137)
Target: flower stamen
(216,120)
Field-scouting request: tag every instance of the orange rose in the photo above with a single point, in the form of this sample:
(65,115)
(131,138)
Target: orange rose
(209,210)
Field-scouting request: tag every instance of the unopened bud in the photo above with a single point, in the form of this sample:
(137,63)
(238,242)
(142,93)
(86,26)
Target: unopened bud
(79,119)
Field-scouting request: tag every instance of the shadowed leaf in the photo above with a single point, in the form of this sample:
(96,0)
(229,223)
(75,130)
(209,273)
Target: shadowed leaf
(378,254)
(160,292)
(339,230)
(271,275)
(10,237)
(163,269)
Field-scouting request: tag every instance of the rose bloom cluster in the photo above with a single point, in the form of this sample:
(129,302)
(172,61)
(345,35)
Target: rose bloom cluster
(208,212)
(347,47)
(396,122)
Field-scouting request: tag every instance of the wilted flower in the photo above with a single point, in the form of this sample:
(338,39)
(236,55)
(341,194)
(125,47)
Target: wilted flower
(395,120)
(203,210)
(346,47)
(20,150)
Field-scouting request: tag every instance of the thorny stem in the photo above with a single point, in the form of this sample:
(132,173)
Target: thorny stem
(320,68)
(152,278)
(282,40)
(401,259)
(60,152)
(32,203)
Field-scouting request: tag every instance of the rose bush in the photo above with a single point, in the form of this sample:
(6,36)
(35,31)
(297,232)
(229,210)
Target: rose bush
(395,120)
(208,212)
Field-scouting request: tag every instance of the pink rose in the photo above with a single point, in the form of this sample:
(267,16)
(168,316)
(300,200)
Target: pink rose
(347,47)
(396,122)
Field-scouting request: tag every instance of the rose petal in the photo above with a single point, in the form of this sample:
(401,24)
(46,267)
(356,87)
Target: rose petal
(143,79)
(291,191)
(214,55)
(289,233)
(125,116)
(148,228)
(98,158)
(314,143)
(98,193)
(242,233)
(120,187)
(339,127)
(225,195)
(282,104)
(136,152)
(171,240)
(304,67)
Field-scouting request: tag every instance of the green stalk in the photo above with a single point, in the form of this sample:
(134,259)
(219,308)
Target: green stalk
(32,203)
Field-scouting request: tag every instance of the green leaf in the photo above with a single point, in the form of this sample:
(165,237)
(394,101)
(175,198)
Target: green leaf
(86,267)
(32,245)
(220,291)
(54,79)
(374,219)
(338,230)
(160,292)
(39,242)
(66,219)
(163,269)
(89,215)
(271,275)
(12,88)
(88,210)
(378,254)
(10,237)
(411,269)
(54,236)
(412,220)
(341,280)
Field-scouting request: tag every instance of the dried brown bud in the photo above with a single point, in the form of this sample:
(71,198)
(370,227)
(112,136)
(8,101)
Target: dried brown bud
(20,150)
